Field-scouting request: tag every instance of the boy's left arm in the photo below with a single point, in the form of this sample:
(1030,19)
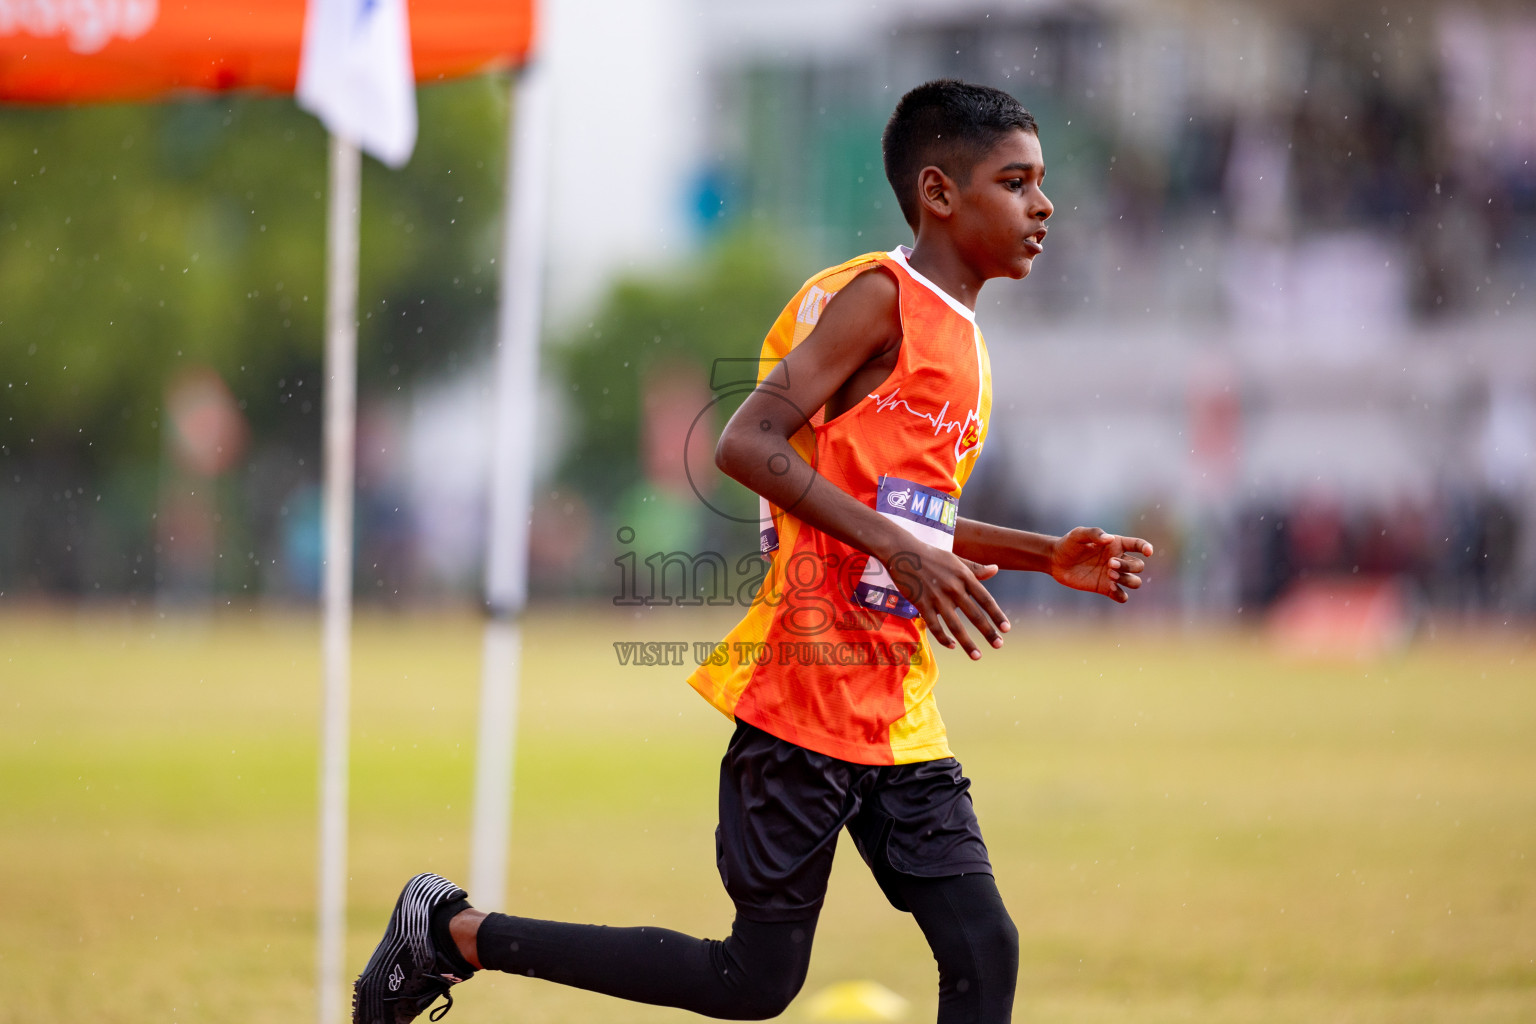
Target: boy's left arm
(1086,558)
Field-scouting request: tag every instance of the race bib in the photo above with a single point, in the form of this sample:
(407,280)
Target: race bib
(929,515)
(768,536)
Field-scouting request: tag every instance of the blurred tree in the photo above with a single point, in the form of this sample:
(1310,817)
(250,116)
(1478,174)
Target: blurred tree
(721,308)
(139,239)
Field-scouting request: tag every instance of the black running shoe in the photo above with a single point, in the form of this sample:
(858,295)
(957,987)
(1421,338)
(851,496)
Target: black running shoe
(406,973)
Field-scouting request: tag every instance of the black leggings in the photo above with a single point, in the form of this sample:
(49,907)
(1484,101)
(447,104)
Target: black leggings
(753,974)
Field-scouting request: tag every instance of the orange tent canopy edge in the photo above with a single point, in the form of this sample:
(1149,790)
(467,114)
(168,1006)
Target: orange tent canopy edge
(57,51)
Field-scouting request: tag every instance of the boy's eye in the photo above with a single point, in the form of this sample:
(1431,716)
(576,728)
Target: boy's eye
(1016,184)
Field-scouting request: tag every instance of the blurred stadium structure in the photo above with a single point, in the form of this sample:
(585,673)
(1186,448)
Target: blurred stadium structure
(1283,328)
(1302,239)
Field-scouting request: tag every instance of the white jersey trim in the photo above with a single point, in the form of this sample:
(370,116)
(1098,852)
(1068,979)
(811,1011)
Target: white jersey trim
(900,254)
(981,369)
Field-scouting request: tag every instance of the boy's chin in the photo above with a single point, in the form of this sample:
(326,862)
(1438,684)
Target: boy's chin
(1020,270)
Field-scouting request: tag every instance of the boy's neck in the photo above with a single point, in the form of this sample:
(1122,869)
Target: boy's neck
(936,259)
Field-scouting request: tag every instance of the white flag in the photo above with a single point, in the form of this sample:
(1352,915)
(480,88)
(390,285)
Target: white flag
(355,74)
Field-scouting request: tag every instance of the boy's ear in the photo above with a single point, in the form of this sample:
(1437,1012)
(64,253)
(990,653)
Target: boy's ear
(936,192)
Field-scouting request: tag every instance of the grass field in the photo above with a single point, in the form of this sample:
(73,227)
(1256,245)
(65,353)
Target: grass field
(1186,826)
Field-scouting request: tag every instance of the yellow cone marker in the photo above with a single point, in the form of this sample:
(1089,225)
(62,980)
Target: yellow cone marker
(867,1001)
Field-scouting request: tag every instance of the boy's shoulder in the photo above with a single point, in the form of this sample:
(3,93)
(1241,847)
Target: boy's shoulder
(821,286)
(804,309)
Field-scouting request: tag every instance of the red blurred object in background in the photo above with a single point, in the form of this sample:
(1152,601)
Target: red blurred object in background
(208,432)
(1342,618)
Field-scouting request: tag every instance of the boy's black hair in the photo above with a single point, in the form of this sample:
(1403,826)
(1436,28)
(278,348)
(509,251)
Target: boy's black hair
(948,124)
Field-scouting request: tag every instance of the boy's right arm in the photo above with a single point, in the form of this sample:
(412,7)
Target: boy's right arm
(861,324)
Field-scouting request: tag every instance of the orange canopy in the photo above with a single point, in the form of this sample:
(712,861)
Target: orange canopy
(64,51)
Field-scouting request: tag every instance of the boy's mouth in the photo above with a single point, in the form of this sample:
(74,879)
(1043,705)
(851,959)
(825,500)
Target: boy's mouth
(1032,248)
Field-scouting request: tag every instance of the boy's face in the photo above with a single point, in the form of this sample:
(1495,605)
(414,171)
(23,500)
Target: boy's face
(1000,219)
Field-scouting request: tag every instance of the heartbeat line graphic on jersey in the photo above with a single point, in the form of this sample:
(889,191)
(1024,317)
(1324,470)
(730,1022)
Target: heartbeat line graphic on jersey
(969,427)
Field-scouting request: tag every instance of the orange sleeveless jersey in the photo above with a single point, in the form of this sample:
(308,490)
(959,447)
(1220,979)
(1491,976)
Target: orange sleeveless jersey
(830,656)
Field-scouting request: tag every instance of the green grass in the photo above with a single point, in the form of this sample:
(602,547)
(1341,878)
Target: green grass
(1186,826)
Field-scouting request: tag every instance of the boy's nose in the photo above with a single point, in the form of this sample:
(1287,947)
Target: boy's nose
(1044,208)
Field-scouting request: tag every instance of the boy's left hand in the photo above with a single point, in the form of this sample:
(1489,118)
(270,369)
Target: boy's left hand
(1103,563)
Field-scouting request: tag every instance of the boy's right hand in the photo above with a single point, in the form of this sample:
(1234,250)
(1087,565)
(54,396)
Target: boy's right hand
(947,590)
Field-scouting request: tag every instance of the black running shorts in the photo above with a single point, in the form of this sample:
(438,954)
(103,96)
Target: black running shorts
(782,807)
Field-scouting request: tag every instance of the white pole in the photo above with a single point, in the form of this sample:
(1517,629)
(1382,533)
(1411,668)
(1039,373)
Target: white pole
(491,826)
(336,599)
(511,499)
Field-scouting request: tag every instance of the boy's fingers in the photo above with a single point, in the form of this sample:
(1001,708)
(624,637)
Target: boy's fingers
(983,620)
(953,621)
(981,572)
(984,598)
(1136,544)
(956,625)
(981,608)
(954,596)
(936,627)
(1130,580)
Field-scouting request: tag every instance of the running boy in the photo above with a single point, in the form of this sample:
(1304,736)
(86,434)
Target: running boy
(859,441)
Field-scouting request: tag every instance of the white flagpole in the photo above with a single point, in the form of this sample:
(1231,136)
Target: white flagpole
(336,600)
(511,499)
